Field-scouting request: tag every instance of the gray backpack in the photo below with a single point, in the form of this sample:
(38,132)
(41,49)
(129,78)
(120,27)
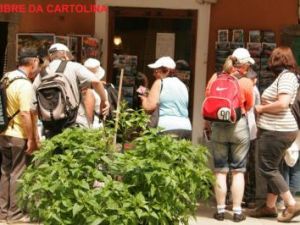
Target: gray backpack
(56,100)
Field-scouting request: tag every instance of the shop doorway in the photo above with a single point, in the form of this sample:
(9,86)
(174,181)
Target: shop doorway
(3,44)
(134,36)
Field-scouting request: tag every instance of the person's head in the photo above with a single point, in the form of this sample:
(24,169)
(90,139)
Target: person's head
(59,51)
(29,60)
(163,67)
(182,64)
(282,58)
(240,61)
(252,75)
(142,80)
(94,66)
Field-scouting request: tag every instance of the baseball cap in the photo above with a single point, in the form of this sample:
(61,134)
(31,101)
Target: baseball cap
(243,56)
(58,47)
(92,63)
(29,53)
(164,61)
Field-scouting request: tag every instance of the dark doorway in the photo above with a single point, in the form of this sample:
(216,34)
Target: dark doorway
(3,44)
(137,30)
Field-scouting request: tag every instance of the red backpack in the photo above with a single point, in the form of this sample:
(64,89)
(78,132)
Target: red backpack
(223,102)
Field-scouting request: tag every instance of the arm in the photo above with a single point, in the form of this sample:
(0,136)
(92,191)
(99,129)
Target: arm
(30,130)
(248,93)
(89,104)
(281,104)
(104,105)
(150,102)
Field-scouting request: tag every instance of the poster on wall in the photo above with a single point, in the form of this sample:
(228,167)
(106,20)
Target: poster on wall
(39,41)
(238,36)
(165,45)
(75,46)
(90,48)
(62,39)
(223,35)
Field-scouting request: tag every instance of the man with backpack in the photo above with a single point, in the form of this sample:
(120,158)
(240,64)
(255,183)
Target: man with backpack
(19,139)
(58,92)
(229,95)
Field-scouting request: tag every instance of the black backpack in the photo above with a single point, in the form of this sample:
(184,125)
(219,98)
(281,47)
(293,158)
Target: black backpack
(112,96)
(4,117)
(295,107)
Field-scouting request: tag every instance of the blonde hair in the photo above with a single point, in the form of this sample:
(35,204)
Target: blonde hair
(60,55)
(229,64)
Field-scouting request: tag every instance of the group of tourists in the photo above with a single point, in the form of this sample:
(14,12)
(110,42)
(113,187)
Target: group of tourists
(276,131)
(59,93)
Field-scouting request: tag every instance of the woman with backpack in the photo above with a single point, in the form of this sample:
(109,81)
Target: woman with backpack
(230,139)
(277,131)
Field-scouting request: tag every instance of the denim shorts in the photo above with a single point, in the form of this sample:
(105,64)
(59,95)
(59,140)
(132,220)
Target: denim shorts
(230,145)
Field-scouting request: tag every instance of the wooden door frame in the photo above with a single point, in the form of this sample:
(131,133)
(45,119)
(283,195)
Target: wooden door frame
(155,13)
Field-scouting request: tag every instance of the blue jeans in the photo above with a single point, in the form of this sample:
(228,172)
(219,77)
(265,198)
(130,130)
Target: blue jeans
(292,176)
(230,145)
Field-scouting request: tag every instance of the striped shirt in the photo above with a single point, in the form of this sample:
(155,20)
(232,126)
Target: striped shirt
(285,83)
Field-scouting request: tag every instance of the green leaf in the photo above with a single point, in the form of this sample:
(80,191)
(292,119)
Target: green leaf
(97,221)
(76,209)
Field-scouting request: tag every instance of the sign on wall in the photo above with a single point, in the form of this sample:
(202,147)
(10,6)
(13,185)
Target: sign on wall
(165,45)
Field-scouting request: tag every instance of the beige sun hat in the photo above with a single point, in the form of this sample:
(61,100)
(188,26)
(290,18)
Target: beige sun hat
(92,63)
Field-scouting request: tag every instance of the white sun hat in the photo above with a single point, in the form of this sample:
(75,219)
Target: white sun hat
(58,47)
(243,56)
(164,61)
(92,63)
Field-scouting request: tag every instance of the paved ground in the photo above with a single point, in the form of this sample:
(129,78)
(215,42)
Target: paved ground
(206,210)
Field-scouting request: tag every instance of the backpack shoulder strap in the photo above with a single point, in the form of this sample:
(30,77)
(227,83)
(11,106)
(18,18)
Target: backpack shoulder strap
(62,66)
(16,78)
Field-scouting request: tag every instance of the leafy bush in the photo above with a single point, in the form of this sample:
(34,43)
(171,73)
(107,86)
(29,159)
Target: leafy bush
(158,181)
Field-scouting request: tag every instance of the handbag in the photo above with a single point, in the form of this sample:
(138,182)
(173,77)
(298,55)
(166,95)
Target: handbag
(292,153)
(153,123)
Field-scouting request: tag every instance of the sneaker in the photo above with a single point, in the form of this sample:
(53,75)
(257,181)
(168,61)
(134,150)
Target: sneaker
(289,213)
(23,219)
(219,216)
(263,211)
(238,217)
(280,205)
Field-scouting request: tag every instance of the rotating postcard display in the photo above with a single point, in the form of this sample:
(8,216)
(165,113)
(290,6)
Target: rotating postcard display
(260,46)
(129,63)
(224,47)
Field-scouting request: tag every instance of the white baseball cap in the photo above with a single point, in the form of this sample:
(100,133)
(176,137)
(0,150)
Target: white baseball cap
(164,61)
(92,63)
(58,47)
(243,56)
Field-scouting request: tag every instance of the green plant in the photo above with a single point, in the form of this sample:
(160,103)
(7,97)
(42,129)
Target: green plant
(158,181)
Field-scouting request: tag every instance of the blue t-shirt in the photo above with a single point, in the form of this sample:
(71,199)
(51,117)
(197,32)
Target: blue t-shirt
(173,105)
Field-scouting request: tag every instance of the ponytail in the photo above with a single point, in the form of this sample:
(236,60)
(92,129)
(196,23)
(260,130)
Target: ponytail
(229,64)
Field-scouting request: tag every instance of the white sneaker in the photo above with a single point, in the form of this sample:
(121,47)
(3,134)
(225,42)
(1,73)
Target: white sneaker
(23,219)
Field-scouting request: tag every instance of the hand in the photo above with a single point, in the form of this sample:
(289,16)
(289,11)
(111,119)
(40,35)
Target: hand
(32,145)
(142,90)
(104,108)
(258,109)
